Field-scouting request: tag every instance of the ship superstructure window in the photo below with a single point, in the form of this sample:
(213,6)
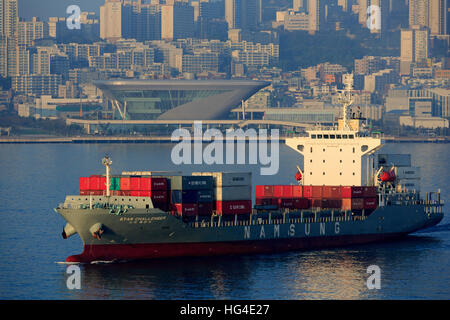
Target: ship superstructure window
(364,148)
(313,136)
(344,136)
(300,147)
(351,136)
(326,136)
(353,150)
(311,149)
(332,136)
(338,136)
(319,136)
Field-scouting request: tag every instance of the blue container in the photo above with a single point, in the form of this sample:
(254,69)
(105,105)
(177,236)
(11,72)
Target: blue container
(184,196)
(205,196)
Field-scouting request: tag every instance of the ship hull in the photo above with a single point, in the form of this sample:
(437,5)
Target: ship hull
(128,252)
(150,234)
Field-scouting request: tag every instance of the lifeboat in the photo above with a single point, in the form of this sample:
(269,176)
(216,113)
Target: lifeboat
(387,176)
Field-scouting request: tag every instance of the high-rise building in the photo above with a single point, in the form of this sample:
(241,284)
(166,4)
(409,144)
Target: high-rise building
(316,12)
(9,18)
(28,31)
(383,11)
(432,14)
(414,47)
(297,5)
(243,14)
(177,20)
(112,21)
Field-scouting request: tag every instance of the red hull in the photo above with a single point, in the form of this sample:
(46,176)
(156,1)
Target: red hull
(167,250)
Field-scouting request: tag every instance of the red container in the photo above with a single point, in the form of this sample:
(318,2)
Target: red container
(286,203)
(92,192)
(316,202)
(263,191)
(369,192)
(157,195)
(331,203)
(135,184)
(353,204)
(148,184)
(186,209)
(331,192)
(125,183)
(263,201)
(317,192)
(301,203)
(233,207)
(84,183)
(135,193)
(352,192)
(97,183)
(283,192)
(370,203)
(307,192)
(297,191)
(205,208)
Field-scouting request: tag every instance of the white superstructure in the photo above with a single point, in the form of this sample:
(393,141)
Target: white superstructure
(339,156)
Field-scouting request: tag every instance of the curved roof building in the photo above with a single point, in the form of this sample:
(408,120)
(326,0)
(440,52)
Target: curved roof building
(177,99)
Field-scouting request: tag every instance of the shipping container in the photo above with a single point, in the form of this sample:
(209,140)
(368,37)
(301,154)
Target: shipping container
(370,203)
(263,201)
(233,207)
(283,191)
(205,208)
(205,196)
(92,192)
(331,203)
(157,195)
(184,196)
(297,192)
(135,183)
(233,193)
(115,183)
(332,192)
(125,183)
(317,192)
(153,183)
(164,206)
(397,160)
(302,203)
(369,192)
(286,203)
(97,182)
(228,179)
(316,202)
(353,204)
(186,209)
(352,192)
(264,191)
(190,182)
(307,192)
(84,183)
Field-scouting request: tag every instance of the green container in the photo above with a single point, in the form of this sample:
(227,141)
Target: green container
(115,183)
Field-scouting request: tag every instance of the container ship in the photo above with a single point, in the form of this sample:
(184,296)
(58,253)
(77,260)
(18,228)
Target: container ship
(348,192)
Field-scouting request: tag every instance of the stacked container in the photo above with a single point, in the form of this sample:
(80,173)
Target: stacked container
(281,196)
(359,198)
(94,185)
(191,195)
(232,191)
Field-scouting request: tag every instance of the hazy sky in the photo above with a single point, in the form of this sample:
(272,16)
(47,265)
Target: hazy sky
(54,8)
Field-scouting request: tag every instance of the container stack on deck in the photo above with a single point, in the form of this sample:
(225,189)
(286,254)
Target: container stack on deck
(232,192)
(191,195)
(323,197)
(94,185)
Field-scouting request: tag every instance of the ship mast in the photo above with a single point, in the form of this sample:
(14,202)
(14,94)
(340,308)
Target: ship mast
(346,98)
(106,161)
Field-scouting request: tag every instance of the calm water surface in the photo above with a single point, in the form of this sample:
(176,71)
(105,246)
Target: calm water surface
(35,178)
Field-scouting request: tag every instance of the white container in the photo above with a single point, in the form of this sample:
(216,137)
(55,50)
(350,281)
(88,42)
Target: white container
(228,179)
(233,193)
(407,172)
